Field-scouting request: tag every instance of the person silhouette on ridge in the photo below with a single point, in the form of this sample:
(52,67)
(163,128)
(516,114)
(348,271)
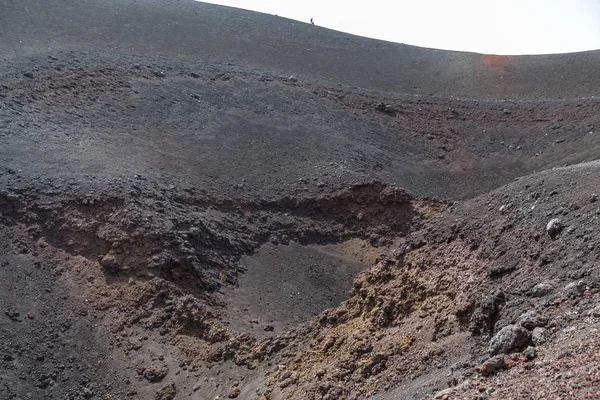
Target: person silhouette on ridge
(312,22)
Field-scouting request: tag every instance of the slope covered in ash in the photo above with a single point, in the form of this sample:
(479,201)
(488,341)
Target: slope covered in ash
(225,99)
(188,192)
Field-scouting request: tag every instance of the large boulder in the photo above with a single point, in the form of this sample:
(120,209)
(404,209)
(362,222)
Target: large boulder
(511,338)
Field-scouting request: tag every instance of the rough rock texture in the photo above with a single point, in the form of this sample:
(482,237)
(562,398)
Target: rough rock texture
(554,227)
(539,336)
(200,202)
(493,365)
(511,338)
(167,392)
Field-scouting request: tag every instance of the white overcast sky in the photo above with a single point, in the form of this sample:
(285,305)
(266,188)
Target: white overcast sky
(483,26)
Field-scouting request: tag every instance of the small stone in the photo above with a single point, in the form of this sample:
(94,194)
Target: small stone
(530,320)
(269,328)
(595,312)
(539,336)
(575,289)
(154,373)
(12,197)
(506,111)
(443,394)
(554,227)
(593,198)
(234,392)
(530,353)
(28,75)
(44,382)
(329,342)
(492,365)
(541,289)
(88,393)
(499,270)
(285,375)
(13,315)
(109,261)
(159,74)
(386,108)
(167,392)
(464,385)
(293,78)
(508,339)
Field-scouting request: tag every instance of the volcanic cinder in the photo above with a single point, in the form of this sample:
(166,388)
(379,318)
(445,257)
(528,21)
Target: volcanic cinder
(200,202)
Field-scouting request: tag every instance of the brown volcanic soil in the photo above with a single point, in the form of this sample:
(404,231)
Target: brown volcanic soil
(201,202)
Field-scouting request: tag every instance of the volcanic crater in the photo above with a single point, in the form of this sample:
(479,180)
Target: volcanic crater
(200,202)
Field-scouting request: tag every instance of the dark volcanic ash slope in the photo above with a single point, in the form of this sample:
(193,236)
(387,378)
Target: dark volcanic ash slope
(193,31)
(202,95)
(235,131)
(187,193)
